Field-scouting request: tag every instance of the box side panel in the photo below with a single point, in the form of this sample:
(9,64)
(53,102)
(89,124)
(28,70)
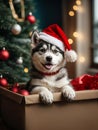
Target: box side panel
(12,113)
(11,95)
(80,95)
(78,115)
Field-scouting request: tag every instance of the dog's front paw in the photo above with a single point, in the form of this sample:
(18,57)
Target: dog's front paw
(68,93)
(46,97)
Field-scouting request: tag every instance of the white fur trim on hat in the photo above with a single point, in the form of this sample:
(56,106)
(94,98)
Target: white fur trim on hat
(70,56)
(52,40)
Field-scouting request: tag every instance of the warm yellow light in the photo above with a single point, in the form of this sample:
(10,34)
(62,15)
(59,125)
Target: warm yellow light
(71,13)
(82,59)
(75,7)
(30,34)
(78,2)
(75,34)
(26,70)
(70,41)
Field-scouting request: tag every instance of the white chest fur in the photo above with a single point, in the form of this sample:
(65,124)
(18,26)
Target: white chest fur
(51,82)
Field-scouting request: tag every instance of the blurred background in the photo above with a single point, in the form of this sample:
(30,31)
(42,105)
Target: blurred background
(78,19)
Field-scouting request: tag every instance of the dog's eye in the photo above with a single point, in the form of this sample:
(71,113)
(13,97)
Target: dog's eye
(55,51)
(42,50)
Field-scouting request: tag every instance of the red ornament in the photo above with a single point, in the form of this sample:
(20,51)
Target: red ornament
(3,82)
(4,54)
(31,18)
(24,92)
(16,85)
(15,89)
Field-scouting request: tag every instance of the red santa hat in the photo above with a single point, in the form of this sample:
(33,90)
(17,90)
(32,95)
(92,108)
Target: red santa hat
(54,34)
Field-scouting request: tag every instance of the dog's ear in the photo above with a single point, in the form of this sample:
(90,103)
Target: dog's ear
(35,38)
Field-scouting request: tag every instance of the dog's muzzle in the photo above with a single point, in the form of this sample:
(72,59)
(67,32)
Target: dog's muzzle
(49,59)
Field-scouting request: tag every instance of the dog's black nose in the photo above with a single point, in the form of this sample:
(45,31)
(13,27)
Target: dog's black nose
(49,58)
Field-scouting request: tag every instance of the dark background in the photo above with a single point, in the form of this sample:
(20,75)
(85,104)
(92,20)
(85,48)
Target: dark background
(48,12)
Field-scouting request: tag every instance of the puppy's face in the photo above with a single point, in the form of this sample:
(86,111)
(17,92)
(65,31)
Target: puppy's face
(47,57)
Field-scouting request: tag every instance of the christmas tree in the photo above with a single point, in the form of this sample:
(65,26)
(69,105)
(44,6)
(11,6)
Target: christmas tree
(17,21)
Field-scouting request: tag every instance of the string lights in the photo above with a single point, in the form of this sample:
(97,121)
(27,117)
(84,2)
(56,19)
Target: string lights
(70,41)
(78,2)
(76,8)
(82,59)
(75,34)
(71,13)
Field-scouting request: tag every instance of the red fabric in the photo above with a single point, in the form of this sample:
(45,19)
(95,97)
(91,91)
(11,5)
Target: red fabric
(55,31)
(85,82)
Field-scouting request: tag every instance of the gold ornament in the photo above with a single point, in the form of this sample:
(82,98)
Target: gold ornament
(30,33)
(26,70)
(15,16)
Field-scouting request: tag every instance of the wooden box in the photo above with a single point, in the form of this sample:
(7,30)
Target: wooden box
(27,113)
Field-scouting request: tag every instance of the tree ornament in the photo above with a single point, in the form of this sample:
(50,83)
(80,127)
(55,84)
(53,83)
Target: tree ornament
(3,82)
(14,14)
(19,60)
(17,1)
(16,85)
(15,89)
(4,54)
(16,29)
(26,70)
(24,92)
(31,18)
(30,34)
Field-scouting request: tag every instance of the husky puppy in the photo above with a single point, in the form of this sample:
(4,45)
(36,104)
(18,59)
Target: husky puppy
(48,73)
(49,56)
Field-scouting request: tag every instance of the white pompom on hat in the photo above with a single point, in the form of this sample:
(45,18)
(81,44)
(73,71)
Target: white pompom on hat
(54,34)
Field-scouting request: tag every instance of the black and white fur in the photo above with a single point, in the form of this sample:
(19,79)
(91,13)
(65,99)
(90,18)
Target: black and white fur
(47,58)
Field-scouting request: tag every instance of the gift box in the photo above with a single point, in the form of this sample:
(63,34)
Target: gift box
(28,113)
